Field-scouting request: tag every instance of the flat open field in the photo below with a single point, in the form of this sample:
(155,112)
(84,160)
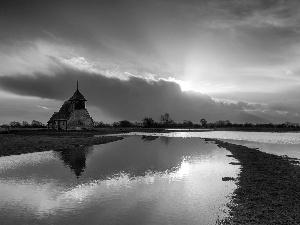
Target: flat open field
(22,142)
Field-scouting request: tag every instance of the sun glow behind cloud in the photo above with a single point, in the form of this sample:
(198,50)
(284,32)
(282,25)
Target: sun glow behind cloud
(82,63)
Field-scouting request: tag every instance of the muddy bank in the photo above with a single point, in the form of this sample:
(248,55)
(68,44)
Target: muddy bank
(11,144)
(268,189)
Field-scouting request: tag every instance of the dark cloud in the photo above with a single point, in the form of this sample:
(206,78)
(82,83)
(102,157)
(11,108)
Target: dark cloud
(284,94)
(247,106)
(136,31)
(279,107)
(291,106)
(96,25)
(131,99)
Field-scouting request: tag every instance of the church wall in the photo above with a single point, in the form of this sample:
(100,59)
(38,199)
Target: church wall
(61,125)
(79,104)
(80,119)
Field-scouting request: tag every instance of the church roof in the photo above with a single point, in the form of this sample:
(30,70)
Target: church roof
(77,95)
(63,113)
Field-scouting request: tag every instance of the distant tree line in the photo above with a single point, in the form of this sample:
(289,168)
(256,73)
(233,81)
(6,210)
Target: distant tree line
(25,124)
(165,121)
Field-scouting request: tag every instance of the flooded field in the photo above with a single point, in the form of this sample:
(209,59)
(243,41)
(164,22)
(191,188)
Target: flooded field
(275,143)
(138,180)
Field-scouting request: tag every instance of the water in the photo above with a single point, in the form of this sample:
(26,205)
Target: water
(139,180)
(275,143)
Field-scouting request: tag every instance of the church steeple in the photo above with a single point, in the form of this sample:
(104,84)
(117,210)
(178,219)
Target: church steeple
(78,99)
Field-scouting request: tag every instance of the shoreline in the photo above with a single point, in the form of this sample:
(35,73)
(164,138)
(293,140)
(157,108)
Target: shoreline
(268,187)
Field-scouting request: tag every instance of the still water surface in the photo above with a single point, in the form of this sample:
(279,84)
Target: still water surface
(137,180)
(275,143)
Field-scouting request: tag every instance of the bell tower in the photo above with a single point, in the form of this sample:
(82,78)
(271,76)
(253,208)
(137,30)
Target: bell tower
(78,100)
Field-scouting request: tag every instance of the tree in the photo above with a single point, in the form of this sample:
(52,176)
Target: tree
(98,124)
(228,123)
(248,124)
(15,124)
(219,123)
(25,124)
(287,124)
(116,124)
(36,123)
(187,123)
(101,124)
(125,123)
(203,122)
(223,123)
(166,119)
(148,122)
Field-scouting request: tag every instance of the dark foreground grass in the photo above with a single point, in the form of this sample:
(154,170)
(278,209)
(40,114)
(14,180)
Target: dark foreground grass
(12,144)
(21,141)
(268,188)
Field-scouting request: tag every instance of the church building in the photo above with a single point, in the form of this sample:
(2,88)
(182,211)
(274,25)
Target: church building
(72,115)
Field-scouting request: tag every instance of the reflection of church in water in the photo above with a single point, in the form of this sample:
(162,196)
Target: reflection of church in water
(75,158)
(72,115)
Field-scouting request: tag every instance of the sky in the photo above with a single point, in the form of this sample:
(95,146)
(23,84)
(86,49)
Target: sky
(234,60)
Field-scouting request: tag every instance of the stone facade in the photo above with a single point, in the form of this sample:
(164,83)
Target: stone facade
(72,115)
(80,119)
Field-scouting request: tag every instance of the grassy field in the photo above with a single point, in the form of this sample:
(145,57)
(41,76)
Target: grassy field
(20,141)
(268,187)
(27,141)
